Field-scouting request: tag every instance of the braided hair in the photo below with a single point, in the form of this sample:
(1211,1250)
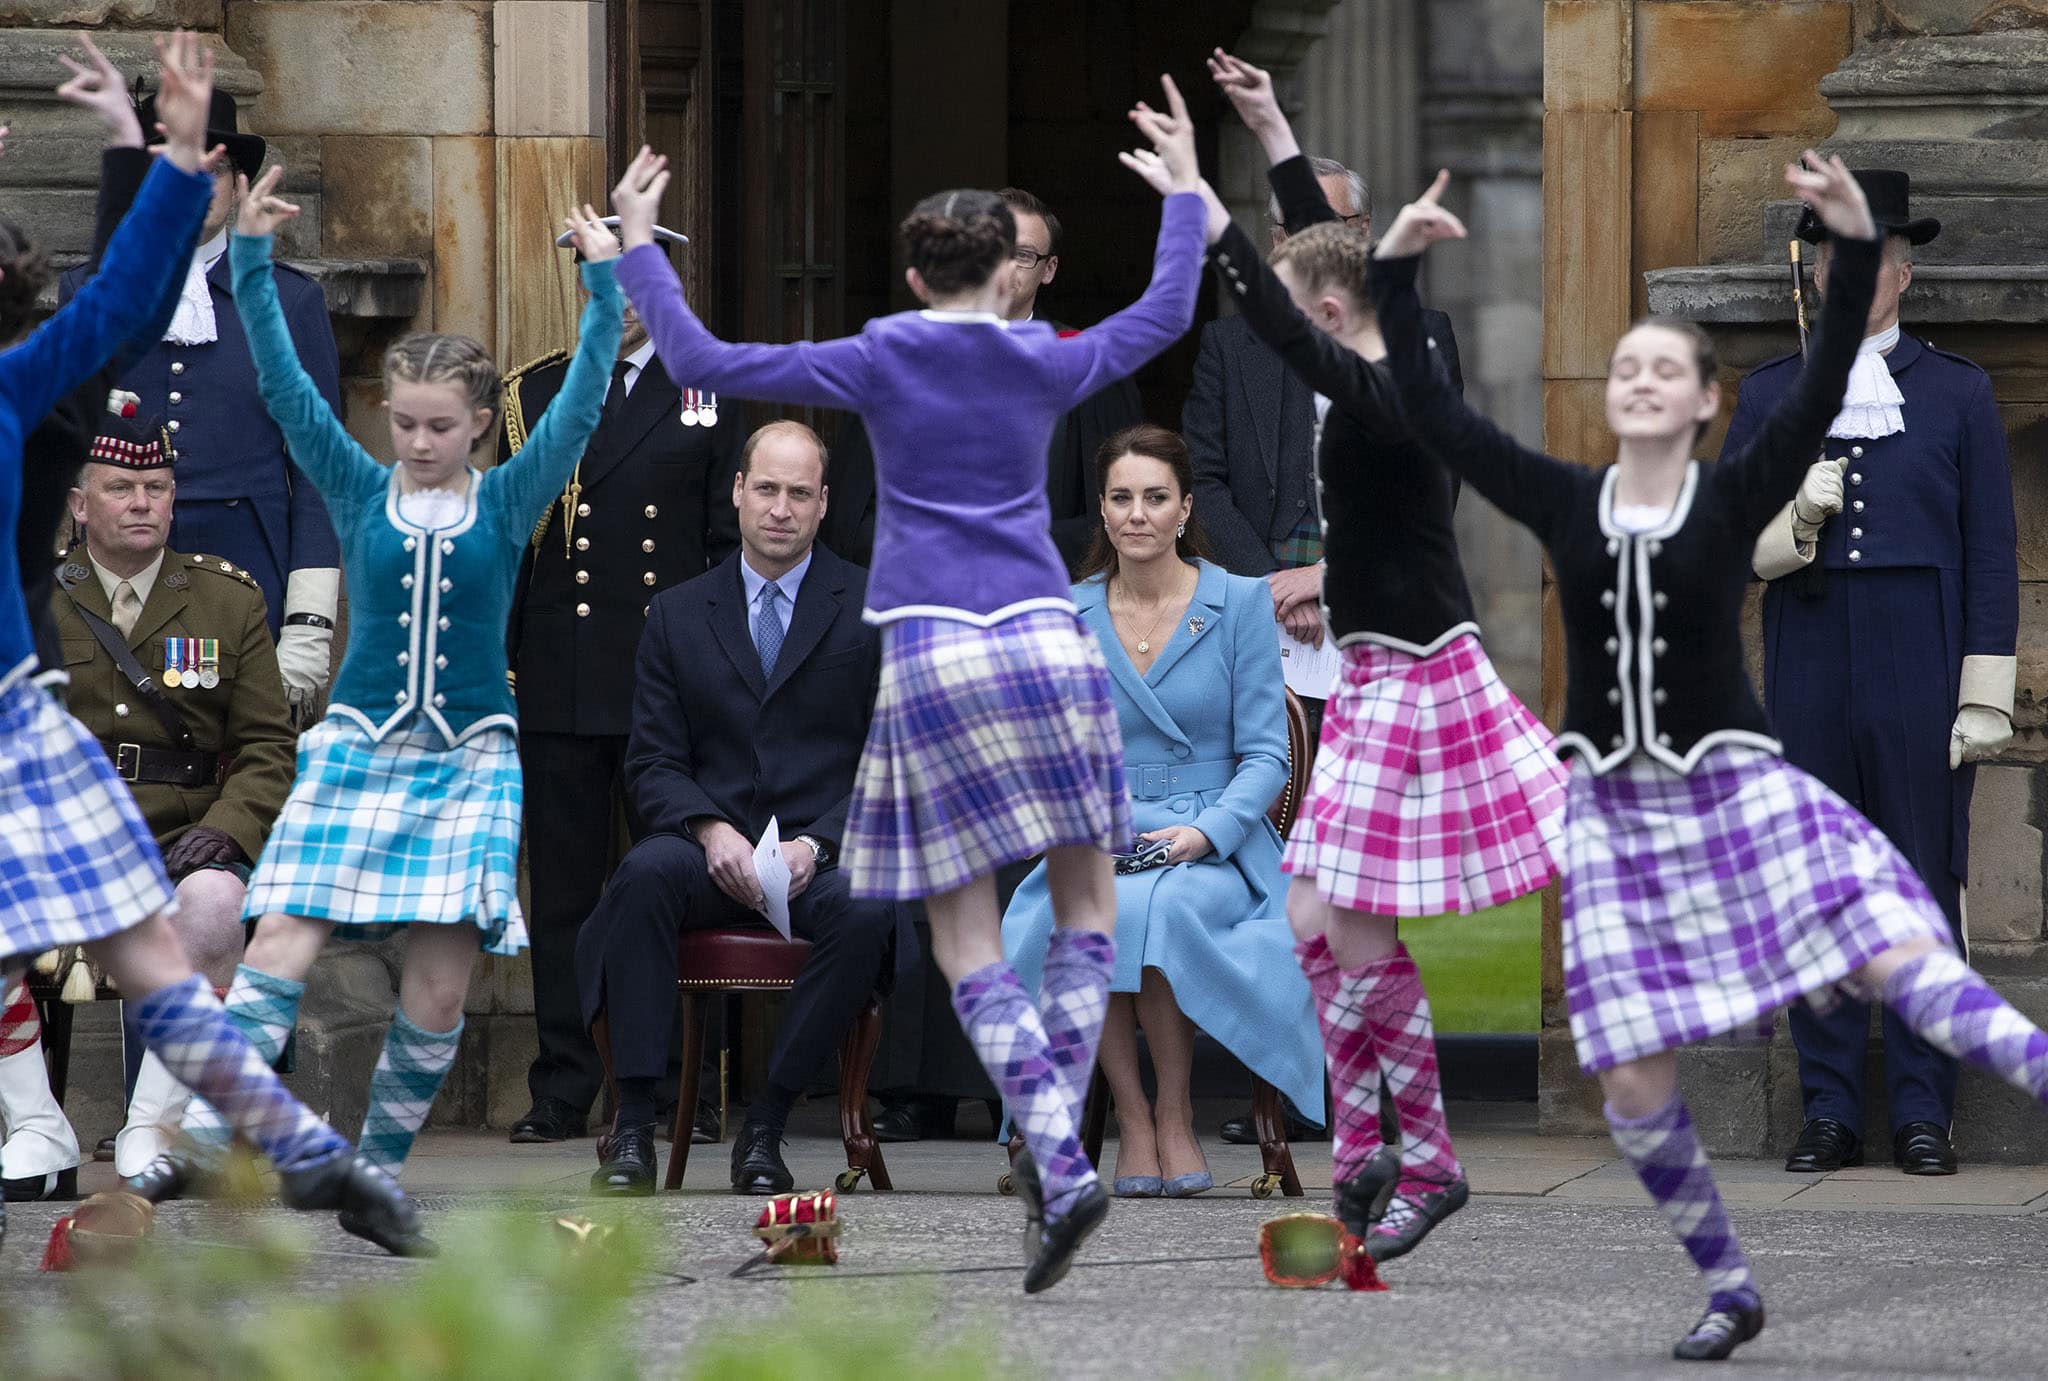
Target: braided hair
(956,240)
(430,357)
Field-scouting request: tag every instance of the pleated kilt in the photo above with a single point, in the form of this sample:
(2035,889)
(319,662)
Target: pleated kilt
(988,745)
(1698,905)
(77,862)
(1434,790)
(380,834)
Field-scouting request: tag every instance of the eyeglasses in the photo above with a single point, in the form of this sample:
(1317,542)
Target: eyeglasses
(1300,1251)
(1025,257)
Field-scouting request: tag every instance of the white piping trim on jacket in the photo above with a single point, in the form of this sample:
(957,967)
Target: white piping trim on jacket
(1431,648)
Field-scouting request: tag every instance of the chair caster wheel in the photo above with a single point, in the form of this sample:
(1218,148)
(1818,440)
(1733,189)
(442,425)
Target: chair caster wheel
(849,1179)
(1005,1183)
(1264,1185)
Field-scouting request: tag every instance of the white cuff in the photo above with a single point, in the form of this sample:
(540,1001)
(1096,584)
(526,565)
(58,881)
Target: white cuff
(1989,681)
(1779,551)
(313,590)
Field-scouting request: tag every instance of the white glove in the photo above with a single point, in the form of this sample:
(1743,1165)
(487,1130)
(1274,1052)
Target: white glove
(1978,734)
(1819,498)
(1984,720)
(305,652)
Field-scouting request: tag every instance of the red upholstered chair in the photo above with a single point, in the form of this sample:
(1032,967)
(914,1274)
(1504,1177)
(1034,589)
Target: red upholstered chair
(713,962)
(1268,1116)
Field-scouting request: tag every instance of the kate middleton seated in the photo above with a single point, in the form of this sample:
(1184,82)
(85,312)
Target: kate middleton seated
(1201,933)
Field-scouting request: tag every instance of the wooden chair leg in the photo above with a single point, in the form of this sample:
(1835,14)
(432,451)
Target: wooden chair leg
(695,1018)
(1095,1117)
(1270,1122)
(856,1129)
(57,1015)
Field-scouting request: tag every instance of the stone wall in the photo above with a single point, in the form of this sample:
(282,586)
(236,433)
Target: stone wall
(1666,127)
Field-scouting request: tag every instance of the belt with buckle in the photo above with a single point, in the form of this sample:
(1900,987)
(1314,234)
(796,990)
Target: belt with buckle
(168,766)
(1155,781)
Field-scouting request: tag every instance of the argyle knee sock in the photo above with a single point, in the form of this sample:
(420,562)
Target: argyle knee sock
(1387,995)
(1073,1002)
(264,1008)
(409,1074)
(1950,1006)
(20,1027)
(1003,1026)
(1354,1067)
(1666,1155)
(204,1050)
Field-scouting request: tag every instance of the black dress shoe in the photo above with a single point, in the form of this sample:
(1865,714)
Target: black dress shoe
(1239,1131)
(705,1126)
(1719,1332)
(371,1204)
(1059,1239)
(898,1122)
(1824,1144)
(628,1163)
(63,1184)
(1922,1148)
(104,1150)
(757,1166)
(549,1119)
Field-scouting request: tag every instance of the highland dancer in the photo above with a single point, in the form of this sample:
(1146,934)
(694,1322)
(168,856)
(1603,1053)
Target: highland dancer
(405,812)
(1707,881)
(995,734)
(77,864)
(1435,790)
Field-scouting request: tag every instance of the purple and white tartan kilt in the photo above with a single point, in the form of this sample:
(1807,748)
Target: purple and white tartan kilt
(1696,906)
(1434,791)
(988,745)
(77,862)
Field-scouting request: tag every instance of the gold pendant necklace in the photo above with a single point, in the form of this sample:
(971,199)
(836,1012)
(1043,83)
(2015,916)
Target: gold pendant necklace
(1145,641)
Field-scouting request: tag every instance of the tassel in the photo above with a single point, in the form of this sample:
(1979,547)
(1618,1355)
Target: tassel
(57,1255)
(78,985)
(48,962)
(1355,1267)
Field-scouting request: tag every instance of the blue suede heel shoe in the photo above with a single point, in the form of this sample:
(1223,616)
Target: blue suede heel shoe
(1187,1186)
(1137,1186)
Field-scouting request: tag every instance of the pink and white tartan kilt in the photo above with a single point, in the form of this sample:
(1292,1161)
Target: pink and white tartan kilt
(1435,790)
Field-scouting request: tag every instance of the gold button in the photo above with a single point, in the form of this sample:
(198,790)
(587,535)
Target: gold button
(121,710)
(583,510)
(583,544)
(651,510)
(177,366)
(647,545)
(583,577)
(582,611)
(647,579)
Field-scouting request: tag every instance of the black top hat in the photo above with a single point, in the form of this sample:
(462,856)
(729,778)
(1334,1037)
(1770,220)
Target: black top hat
(245,151)
(129,440)
(1888,192)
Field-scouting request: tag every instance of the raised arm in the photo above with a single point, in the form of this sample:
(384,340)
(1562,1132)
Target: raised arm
(1528,486)
(827,374)
(1766,473)
(530,480)
(319,444)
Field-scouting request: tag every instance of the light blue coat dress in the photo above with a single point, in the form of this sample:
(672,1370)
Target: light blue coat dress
(1205,744)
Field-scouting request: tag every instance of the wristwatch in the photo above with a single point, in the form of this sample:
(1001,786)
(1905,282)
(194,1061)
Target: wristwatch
(820,854)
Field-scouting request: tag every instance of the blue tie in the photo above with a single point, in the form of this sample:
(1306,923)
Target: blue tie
(768,629)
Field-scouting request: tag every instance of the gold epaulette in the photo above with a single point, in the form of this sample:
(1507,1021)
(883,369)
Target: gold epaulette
(515,413)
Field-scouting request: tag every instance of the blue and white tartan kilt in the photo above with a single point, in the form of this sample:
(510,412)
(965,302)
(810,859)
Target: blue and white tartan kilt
(988,746)
(77,862)
(380,834)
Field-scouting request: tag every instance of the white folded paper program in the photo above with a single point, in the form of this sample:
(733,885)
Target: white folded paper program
(1311,672)
(773,871)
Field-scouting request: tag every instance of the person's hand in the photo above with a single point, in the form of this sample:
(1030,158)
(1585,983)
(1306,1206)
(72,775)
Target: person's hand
(803,866)
(1250,91)
(1151,167)
(202,846)
(1173,137)
(1422,223)
(1979,732)
(1219,214)
(1819,498)
(1827,186)
(184,97)
(1297,602)
(638,196)
(262,210)
(96,85)
(731,859)
(1188,843)
(594,239)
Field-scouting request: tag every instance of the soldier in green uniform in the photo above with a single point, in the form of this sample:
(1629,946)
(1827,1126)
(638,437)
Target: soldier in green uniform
(205,740)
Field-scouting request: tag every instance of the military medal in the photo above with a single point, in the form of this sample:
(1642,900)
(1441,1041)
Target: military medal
(209,663)
(689,413)
(707,409)
(174,662)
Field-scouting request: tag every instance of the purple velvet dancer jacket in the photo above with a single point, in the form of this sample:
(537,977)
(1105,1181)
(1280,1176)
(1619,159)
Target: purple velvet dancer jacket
(961,408)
